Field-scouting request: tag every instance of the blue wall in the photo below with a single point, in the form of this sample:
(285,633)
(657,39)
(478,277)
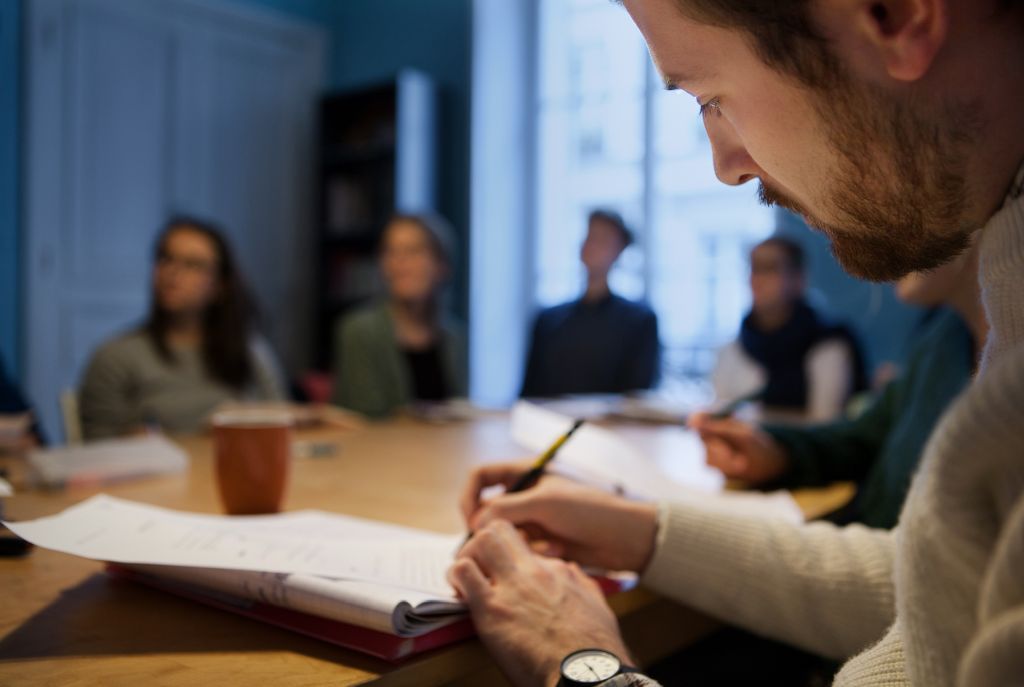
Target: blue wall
(320,12)
(369,40)
(10,245)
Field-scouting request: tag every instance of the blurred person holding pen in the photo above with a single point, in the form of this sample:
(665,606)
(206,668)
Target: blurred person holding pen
(881,447)
(799,365)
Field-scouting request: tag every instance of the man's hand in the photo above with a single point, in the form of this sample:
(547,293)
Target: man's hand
(740,450)
(582,524)
(530,611)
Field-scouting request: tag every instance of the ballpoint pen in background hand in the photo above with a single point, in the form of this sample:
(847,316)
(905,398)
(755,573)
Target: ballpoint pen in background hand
(729,409)
(530,477)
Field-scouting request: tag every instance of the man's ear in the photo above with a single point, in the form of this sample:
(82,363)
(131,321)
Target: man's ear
(903,35)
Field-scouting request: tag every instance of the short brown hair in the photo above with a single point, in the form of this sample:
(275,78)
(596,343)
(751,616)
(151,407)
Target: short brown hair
(782,33)
(614,219)
(793,251)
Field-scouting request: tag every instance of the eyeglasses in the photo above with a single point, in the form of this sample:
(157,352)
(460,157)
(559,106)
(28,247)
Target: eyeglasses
(771,267)
(194,265)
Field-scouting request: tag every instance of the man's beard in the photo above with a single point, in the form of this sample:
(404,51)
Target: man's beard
(899,193)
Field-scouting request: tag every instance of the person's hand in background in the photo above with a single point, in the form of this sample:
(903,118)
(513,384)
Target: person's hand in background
(740,450)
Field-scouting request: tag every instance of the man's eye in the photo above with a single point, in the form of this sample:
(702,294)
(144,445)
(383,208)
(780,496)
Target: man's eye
(708,107)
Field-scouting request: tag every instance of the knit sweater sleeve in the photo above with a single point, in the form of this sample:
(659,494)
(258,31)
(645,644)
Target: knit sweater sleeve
(995,655)
(825,589)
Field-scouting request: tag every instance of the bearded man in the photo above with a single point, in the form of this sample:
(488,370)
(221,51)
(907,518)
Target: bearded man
(895,127)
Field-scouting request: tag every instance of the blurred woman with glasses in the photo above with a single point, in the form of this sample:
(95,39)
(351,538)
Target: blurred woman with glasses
(198,348)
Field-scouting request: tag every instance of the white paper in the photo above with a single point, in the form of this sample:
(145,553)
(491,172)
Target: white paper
(599,457)
(108,460)
(385,608)
(117,531)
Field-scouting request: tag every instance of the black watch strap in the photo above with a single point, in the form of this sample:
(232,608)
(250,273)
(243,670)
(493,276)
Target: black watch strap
(624,669)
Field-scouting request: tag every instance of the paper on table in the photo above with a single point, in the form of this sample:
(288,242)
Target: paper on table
(108,460)
(593,449)
(117,531)
(599,457)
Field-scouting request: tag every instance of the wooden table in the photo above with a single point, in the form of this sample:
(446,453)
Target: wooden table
(63,622)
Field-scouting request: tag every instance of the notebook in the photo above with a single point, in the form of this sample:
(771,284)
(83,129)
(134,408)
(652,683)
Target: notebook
(386,645)
(366,585)
(359,583)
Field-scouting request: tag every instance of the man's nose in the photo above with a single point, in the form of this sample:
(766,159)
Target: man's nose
(733,164)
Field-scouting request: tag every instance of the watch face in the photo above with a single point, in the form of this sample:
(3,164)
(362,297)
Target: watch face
(590,666)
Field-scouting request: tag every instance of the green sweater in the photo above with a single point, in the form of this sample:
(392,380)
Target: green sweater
(371,375)
(880,449)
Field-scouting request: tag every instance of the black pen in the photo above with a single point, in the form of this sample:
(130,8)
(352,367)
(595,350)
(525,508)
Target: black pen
(530,477)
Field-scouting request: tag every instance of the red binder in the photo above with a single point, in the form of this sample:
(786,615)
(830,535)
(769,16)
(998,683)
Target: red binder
(382,645)
(379,644)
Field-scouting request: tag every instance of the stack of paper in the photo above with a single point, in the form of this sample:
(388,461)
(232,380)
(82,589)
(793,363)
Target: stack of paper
(370,574)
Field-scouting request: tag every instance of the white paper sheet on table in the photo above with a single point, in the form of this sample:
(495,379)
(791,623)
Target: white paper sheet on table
(600,457)
(109,529)
(108,460)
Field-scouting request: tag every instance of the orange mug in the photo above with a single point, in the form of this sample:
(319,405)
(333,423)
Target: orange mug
(253,454)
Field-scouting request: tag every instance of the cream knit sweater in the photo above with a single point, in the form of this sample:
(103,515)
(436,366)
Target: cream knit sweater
(940,600)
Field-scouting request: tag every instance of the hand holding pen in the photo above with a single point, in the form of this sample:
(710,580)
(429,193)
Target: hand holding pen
(536,471)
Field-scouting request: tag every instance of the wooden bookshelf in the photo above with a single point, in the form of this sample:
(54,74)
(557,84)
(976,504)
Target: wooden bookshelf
(377,155)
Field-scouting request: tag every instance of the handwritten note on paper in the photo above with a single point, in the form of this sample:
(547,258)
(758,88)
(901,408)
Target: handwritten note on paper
(118,531)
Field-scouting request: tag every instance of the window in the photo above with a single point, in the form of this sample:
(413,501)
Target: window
(609,135)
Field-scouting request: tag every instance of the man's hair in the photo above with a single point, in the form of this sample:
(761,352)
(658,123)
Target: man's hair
(615,219)
(794,251)
(781,32)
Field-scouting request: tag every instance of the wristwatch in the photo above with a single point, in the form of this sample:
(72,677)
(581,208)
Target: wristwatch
(588,667)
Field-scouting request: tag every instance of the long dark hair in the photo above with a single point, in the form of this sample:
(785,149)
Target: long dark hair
(227,321)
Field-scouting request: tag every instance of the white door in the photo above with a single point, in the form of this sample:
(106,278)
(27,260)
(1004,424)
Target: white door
(137,110)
